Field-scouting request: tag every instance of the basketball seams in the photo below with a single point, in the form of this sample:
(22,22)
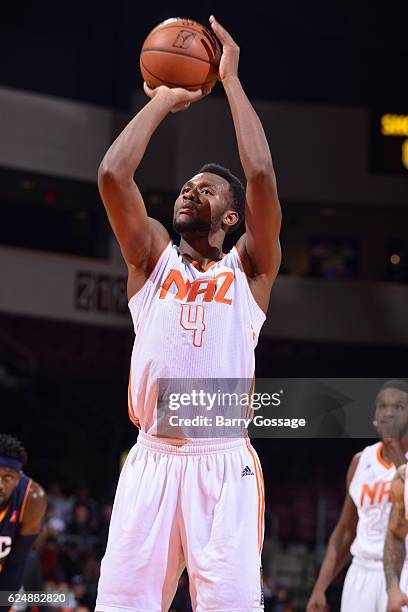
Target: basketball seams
(195,27)
(200,59)
(196,85)
(194,43)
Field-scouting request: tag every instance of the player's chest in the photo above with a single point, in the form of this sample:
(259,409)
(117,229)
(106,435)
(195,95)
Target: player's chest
(372,488)
(215,286)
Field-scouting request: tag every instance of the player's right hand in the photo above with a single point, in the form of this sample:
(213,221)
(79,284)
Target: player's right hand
(178,98)
(317,602)
(396,600)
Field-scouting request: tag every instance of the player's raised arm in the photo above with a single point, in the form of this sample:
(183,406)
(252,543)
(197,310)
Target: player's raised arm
(136,233)
(262,212)
(338,548)
(394,546)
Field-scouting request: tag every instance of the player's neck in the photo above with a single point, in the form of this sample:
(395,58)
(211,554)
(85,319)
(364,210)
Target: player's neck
(200,249)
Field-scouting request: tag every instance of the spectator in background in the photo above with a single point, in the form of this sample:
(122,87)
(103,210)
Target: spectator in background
(104,527)
(50,557)
(82,530)
(60,506)
(81,595)
(83,497)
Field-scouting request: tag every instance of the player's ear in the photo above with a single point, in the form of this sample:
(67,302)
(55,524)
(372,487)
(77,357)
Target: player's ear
(231,217)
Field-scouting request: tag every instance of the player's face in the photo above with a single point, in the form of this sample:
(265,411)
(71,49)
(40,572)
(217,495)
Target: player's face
(9,479)
(203,204)
(391,413)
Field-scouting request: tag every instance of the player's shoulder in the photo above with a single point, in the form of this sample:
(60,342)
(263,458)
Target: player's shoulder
(36,499)
(357,456)
(367,452)
(355,460)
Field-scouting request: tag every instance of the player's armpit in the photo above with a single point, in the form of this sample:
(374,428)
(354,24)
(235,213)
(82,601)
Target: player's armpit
(35,510)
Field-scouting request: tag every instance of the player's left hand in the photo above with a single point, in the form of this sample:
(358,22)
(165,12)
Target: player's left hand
(230,51)
(396,600)
(180,99)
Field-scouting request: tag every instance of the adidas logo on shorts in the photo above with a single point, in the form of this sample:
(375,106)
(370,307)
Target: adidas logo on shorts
(247,471)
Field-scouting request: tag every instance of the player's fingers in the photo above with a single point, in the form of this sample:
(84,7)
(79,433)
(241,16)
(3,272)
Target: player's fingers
(149,92)
(195,95)
(221,32)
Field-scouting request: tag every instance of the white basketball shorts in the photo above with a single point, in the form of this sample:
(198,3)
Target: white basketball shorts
(364,587)
(198,506)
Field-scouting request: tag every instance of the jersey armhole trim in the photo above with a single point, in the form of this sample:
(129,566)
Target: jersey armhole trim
(249,286)
(4,512)
(170,242)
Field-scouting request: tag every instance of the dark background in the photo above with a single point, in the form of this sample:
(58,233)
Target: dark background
(63,386)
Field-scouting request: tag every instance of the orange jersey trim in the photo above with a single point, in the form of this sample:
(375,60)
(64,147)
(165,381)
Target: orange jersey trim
(131,411)
(388,466)
(4,512)
(151,273)
(246,278)
(198,266)
(23,506)
(261,496)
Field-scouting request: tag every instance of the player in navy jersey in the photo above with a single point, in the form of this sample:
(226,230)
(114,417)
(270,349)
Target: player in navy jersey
(22,507)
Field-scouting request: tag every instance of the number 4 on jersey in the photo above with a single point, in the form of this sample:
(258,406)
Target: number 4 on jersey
(192,319)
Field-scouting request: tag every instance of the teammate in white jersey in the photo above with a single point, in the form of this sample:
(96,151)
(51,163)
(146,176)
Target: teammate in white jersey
(197,313)
(363,522)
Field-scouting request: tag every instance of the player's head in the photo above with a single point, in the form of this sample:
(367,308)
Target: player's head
(12,458)
(213,200)
(391,409)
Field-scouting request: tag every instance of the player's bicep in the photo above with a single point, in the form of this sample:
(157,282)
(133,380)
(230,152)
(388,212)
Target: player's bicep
(349,516)
(127,215)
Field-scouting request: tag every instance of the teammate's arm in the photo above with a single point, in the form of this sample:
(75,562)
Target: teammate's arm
(263,212)
(139,237)
(11,578)
(338,548)
(394,546)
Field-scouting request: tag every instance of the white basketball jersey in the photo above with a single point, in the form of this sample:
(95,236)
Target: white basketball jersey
(370,490)
(190,323)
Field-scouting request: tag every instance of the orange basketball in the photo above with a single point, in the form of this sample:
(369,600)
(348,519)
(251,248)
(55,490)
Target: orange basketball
(180,53)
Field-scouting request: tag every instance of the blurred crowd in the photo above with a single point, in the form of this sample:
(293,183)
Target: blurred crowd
(69,549)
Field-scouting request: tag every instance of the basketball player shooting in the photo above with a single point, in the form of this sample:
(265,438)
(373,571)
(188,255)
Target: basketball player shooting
(22,508)
(362,525)
(197,313)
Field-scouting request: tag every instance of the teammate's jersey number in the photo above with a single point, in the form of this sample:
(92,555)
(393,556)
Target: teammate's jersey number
(375,522)
(5,546)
